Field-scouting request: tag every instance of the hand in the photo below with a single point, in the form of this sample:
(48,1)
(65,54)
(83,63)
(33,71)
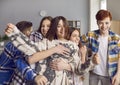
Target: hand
(116,79)
(40,80)
(96,59)
(83,51)
(58,64)
(60,49)
(9,29)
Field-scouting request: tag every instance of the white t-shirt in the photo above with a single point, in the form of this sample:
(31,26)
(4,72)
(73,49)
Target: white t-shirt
(101,69)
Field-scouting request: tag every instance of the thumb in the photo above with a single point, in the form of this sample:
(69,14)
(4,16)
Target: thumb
(113,81)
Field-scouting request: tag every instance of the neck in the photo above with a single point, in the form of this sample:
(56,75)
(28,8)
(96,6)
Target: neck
(62,39)
(104,34)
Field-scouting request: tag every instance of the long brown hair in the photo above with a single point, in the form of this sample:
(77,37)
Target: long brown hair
(71,30)
(44,18)
(52,32)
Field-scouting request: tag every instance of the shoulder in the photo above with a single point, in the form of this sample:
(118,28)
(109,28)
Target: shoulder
(91,33)
(114,36)
(71,44)
(37,35)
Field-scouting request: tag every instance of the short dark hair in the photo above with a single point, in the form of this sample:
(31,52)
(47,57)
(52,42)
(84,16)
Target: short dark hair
(23,25)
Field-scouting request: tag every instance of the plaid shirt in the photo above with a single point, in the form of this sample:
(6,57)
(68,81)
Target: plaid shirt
(91,40)
(11,59)
(36,36)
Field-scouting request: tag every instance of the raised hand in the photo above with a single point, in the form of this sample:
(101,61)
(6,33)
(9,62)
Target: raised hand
(60,49)
(96,59)
(82,52)
(11,29)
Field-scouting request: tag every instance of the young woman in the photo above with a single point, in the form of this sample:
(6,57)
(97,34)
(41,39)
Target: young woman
(57,34)
(42,30)
(58,64)
(38,35)
(74,36)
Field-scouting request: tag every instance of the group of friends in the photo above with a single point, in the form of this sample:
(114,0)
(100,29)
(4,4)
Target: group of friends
(57,54)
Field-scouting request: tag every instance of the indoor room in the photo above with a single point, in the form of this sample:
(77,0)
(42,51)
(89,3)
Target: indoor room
(80,14)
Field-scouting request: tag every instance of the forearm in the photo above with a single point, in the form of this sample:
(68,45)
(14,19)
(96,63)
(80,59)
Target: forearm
(83,58)
(41,55)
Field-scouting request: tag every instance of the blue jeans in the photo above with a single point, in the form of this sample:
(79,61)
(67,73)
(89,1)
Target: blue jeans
(94,79)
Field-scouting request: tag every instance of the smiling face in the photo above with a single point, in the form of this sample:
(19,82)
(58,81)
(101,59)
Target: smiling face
(104,19)
(45,26)
(75,37)
(104,25)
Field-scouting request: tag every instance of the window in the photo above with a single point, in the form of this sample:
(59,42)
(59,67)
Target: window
(103,4)
(96,5)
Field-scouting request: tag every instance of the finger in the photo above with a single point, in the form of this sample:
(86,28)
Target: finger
(53,66)
(9,30)
(37,83)
(67,50)
(11,25)
(113,81)
(65,53)
(58,60)
(43,80)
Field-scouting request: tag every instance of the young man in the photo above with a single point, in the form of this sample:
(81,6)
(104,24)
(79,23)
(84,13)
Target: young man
(12,61)
(106,45)
(30,48)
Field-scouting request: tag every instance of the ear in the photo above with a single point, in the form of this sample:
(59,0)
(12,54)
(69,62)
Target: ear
(27,32)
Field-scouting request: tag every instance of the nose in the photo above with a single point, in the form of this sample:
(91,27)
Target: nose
(103,25)
(45,28)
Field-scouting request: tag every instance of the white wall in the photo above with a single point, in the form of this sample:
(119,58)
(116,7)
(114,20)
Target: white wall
(17,10)
(94,7)
(114,7)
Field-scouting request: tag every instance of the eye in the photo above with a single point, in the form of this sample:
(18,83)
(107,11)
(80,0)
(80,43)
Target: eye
(48,25)
(107,23)
(43,25)
(99,23)
(58,26)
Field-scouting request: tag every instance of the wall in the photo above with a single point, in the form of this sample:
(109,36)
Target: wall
(114,6)
(17,10)
(94,7)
